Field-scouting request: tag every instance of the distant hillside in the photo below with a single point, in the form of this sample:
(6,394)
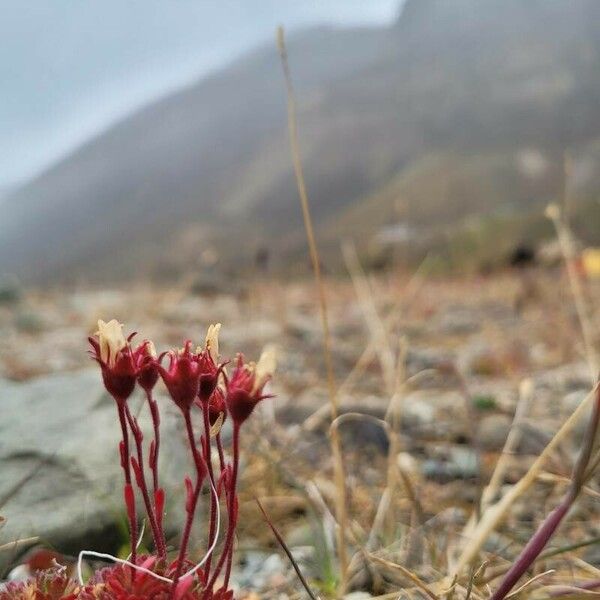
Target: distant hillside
(461,108)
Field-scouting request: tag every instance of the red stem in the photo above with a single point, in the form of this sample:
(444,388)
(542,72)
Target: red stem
(121,406)
(221,453)
(231,509)
(156,532)
(192,507)
(541,537)
(535,545)
(213,503)
(156,426)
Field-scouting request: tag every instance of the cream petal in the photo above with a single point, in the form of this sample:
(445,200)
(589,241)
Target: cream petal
(212,341)
(111,339)
(265,367)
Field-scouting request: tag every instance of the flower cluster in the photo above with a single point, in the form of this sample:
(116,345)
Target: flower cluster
(199,386)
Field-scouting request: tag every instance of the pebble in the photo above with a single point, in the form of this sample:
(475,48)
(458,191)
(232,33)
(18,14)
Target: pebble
(492,431)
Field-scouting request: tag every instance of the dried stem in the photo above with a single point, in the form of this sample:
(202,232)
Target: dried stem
(541,537)
(339,475)
(495,514)
(288,552)
(567,246)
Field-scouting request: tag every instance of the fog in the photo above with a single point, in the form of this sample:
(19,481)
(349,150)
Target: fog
(68,69)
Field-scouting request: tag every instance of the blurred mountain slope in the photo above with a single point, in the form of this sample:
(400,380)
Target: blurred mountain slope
(209,165)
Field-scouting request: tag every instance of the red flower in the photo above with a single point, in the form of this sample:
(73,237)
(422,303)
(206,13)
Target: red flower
(244,389)
(217,406)
(145,360)
(116,583)
(114,355)
(53,584)
(208,361)
(182,377)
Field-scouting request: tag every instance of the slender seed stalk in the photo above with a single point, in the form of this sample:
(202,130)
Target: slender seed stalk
(341,511)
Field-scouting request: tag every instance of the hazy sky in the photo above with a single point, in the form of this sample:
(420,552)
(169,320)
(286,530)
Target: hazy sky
(71,67)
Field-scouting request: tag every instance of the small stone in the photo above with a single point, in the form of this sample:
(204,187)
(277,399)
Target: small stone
(300,535)
(492,431)
(458,462)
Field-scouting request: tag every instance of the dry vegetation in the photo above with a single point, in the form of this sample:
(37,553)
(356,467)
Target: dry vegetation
(430,373)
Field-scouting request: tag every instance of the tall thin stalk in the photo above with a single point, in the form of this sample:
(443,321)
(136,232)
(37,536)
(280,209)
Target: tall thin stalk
(336,447)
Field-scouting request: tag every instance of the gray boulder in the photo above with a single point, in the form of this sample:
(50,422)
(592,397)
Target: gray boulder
(61,478)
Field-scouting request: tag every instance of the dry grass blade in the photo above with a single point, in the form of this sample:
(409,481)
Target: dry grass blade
(376,327)
(496,513)
(315,420)
(339,475)
(567,247)
(573,594)
(287,551)
(386,498)
(512,441)
(17,543)
(407,573)
(528,583)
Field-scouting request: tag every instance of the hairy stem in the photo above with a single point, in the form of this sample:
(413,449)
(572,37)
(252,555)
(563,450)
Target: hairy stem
(213,501)
(127,472)
(141,481)
(231,510)
(156,427)
(191,509)
(221,453)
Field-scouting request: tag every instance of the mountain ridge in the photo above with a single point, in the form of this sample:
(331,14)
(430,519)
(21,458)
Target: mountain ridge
(210,164)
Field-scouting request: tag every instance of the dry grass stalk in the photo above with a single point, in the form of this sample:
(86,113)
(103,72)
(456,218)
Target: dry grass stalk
(378,331)
(316,264)
(315,421)
(393,368)
(567,247)
(496,513)
(511,443)
(528,583)
(287,551)
(17,543)
(407,573)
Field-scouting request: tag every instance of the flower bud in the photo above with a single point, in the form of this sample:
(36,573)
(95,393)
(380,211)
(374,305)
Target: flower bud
(182,377)
(113,353)
(244,389)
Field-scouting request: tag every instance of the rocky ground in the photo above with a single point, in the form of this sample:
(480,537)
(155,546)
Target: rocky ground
(449,356)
